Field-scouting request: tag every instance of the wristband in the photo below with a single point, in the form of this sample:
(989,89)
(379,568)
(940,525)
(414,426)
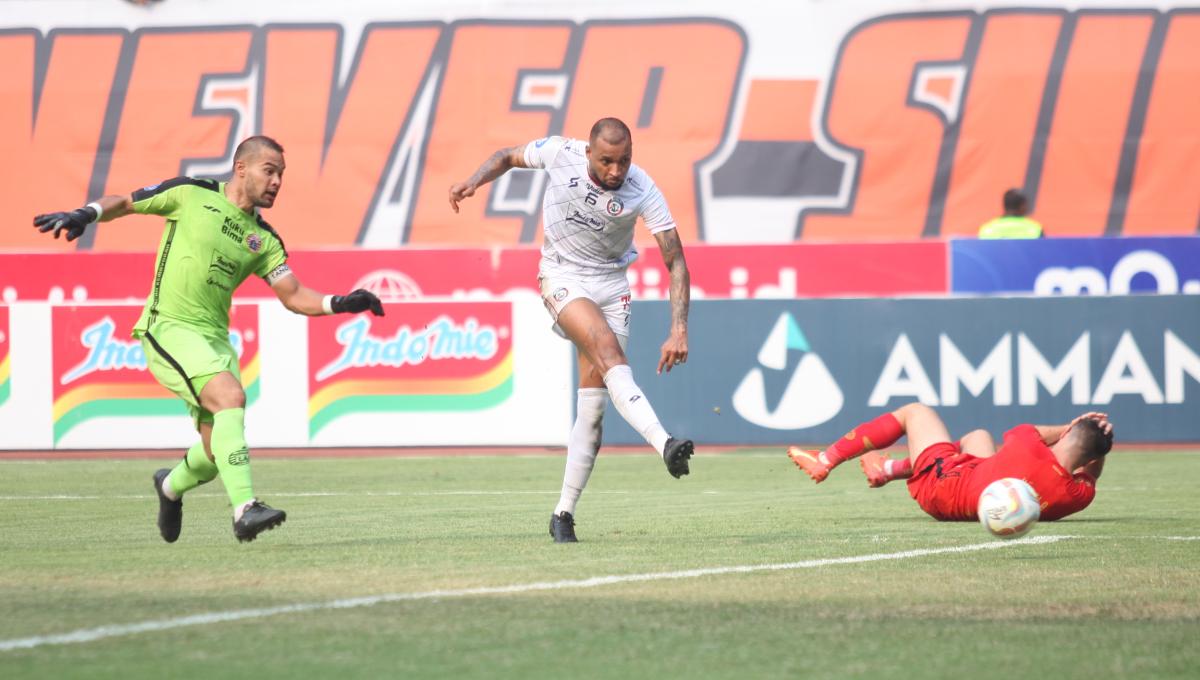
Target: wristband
(327,304)
(95,205)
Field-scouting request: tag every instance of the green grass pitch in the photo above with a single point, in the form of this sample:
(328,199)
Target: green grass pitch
(1118,595)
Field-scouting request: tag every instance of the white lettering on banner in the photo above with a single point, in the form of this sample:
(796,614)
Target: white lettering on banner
(1036,370)
(903,376)
(995,370)
(441,339)
(1076,281)
(1127,373)
(1056,280)
(105,353)
(644,284)
(1143,262)
(1179,359)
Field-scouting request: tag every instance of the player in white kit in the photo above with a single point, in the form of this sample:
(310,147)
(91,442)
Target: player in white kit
(593,199)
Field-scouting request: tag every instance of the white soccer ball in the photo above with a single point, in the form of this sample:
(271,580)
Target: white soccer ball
(1009,507)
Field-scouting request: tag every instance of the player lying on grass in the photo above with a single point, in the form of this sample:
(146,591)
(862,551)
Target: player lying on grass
(1060,462)
(214,239)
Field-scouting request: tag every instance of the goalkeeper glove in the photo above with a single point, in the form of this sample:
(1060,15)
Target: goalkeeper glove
(355,302)
(73,222)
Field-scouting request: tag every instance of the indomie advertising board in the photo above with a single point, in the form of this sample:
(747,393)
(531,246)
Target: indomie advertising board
(102,393)
(386,380)
(5,359)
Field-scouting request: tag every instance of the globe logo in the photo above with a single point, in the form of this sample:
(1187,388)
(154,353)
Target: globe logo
(390,285)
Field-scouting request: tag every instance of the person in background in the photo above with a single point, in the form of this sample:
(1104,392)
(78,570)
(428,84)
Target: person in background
(1013,223)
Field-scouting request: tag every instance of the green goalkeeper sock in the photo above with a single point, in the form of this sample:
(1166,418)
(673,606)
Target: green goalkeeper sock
(194,470)
(231,454)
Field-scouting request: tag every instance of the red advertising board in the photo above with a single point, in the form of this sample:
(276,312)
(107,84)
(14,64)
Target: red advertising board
(99,370)
(423,356)
(803,270)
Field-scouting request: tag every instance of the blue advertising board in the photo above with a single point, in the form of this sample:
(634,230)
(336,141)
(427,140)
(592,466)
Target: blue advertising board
(1072,266)
(807,371)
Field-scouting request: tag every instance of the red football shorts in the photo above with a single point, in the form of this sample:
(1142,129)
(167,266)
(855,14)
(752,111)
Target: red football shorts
(939,476)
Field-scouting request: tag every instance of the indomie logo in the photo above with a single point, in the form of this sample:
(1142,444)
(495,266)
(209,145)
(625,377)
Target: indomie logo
(105,352)
(441,339)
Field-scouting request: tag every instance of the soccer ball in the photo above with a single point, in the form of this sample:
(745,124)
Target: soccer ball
(1009,507)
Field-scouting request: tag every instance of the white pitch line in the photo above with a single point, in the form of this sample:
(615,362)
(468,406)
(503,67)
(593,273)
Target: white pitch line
(119,630)
(298,494)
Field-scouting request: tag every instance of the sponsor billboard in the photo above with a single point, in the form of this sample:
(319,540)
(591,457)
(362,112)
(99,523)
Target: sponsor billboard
(420,358)
(1076,266)
(762,121)
(807,371)
(99,372)
(717,271)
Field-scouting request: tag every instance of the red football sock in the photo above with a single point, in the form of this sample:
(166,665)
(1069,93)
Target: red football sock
(879,433)
(901,468)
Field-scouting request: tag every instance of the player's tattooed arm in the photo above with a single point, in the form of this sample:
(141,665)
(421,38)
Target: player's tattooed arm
(675,349)
(500,162)
(681,280)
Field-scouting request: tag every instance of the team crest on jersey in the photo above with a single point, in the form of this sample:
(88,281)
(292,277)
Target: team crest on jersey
(253,242)
(614,206)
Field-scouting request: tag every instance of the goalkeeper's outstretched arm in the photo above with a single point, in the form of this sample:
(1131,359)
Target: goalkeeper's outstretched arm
(76,221)
(303,300)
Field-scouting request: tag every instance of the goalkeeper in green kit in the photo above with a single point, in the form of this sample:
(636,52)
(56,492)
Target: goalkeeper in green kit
(214,239)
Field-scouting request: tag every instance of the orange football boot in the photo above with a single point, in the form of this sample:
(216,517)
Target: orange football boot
(809,462)
(872,466)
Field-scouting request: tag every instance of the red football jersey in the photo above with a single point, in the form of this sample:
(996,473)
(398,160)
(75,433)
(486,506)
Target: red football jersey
(1025,456)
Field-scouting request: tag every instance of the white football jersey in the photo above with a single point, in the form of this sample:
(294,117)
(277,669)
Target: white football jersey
(589,230)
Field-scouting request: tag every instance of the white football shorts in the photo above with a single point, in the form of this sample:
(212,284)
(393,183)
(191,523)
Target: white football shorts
(610,293)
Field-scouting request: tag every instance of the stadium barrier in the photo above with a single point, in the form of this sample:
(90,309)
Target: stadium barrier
(807,371)
(430,373)
(70,377)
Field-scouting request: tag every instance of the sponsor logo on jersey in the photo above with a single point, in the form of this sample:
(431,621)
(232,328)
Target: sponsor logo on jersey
(541,142)
(614,206)
(560,294)
(152,187)
(254,242)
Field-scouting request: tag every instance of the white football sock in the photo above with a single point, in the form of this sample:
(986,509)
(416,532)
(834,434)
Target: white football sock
(582,446)
(241,509)
(167,490)
(634,407)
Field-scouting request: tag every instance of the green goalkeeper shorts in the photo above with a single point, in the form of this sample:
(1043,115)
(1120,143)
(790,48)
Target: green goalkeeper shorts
(183,359)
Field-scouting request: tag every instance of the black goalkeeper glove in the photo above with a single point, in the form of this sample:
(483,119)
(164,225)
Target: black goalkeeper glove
(73,222)
(355,302)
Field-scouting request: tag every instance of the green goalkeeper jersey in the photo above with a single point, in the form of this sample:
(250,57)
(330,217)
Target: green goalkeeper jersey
(209,246)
